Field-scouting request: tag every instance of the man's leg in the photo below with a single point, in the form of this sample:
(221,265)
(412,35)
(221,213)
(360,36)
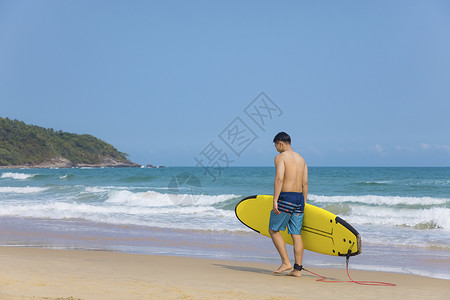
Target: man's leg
(298,253)
(279,243)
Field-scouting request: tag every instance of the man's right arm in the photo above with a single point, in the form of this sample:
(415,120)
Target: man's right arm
(305,183)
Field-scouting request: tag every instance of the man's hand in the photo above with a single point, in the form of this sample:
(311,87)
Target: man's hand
(275,208)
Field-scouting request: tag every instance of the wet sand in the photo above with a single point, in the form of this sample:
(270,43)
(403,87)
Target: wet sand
(35,273)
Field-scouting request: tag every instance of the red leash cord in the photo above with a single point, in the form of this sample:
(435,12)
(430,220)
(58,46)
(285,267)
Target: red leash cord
(372,283)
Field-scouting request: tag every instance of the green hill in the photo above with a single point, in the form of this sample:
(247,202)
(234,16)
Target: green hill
(29,145)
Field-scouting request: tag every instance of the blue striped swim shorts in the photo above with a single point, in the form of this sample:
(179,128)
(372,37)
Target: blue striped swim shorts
(291,206)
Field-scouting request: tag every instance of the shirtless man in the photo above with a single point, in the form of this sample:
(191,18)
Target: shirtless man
(289,198)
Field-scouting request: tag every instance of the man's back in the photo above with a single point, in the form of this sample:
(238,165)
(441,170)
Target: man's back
(294,171)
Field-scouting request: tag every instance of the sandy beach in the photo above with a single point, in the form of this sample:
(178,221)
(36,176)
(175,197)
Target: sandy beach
(35,273)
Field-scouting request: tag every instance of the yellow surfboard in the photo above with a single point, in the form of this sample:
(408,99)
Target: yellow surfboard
(322,231)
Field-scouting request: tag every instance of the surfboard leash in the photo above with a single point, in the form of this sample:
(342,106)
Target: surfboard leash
(324,278)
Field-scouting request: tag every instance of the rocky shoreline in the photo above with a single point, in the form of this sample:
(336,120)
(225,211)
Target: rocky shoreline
(60,162)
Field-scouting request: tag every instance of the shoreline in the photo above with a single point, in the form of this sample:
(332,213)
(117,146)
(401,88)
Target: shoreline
(25,167)
(33,273)
(59,166)
(236,246)
(60,162)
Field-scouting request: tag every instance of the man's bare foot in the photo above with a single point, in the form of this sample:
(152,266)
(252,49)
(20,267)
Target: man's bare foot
(295,273)
(283,268)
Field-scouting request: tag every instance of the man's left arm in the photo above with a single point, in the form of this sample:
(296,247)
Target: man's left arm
(305,183)
(278,184)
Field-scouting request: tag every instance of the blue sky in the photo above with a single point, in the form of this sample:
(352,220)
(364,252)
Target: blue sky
(356,83)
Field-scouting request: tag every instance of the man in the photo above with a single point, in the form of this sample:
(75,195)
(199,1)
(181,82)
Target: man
(289,198)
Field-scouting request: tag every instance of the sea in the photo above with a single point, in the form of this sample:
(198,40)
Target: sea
(402,214)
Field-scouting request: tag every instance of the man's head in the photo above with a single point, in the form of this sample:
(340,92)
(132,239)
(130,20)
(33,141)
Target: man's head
(282,141)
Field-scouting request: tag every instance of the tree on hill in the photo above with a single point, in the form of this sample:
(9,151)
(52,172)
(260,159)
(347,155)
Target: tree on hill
(22,144)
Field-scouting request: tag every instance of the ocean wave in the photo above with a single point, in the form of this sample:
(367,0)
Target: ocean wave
(18,176)
(338,208)
(67,176)
(379,200)
(155,199)
(429,182)
(95,189)
(63,210)
(380,182)
(22,190)
(432,218)
(177,217)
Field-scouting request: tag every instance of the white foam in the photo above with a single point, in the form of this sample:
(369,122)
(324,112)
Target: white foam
(177,217)
(379,200)
(22,190)
(155,199)
(438,217)
(407,270)
(94,189)
(379,182)
(149,198)
(19,176)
